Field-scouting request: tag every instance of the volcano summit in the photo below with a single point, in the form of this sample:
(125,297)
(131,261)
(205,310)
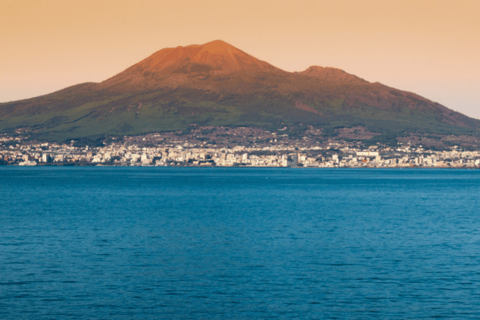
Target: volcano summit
(217,84)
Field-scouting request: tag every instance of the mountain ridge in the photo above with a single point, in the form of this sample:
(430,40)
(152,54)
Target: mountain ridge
(219,84)
(174,67)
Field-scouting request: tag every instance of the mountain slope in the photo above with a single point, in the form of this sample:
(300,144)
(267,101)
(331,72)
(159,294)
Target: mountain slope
(218,84)
(213,66)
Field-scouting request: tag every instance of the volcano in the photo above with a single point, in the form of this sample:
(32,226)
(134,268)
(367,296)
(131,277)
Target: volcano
(217,84)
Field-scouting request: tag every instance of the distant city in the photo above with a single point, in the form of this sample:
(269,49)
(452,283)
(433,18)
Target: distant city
(231,147)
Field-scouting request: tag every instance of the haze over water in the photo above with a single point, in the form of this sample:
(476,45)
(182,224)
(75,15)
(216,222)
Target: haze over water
(214,243)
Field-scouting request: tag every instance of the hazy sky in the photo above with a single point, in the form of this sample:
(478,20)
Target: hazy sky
(429,47)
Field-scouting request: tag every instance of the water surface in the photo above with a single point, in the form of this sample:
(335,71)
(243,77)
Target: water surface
(214,243)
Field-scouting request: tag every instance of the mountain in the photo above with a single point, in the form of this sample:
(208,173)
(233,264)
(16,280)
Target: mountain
(214,66)
(218,84)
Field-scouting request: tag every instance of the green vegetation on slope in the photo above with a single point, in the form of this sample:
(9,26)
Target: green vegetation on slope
(61,116)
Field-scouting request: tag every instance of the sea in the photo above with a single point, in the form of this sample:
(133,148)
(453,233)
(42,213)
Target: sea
(239,243)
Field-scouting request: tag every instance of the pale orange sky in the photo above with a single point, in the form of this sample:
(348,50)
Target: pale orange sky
(430,47)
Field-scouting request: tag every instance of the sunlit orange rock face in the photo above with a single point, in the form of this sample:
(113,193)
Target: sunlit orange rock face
(213,66)
(220,67)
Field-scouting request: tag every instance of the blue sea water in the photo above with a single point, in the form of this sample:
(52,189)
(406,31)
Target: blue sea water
(214,243)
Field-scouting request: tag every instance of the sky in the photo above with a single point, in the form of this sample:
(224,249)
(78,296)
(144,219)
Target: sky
(430,47)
